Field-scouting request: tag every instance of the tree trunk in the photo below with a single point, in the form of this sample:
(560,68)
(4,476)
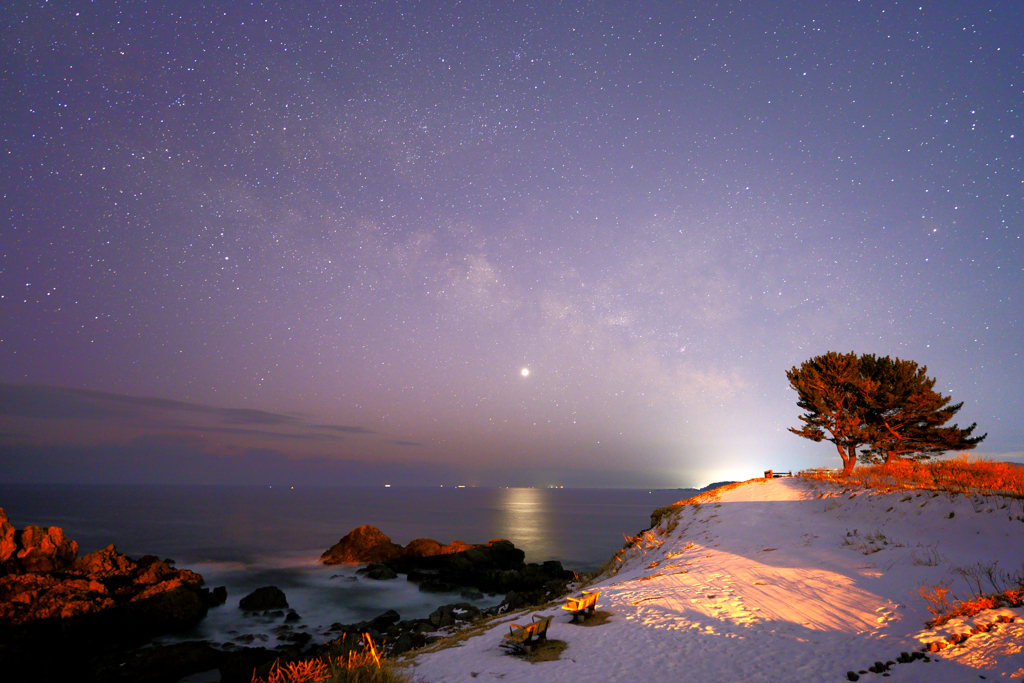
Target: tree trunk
(850,461)
(889,456)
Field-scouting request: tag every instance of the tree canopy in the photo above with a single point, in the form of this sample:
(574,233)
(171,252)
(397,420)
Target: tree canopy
(876,409)
(831,389)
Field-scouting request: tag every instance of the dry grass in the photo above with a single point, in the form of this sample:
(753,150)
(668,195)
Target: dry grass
(365,666)
(961,474)
(968,608)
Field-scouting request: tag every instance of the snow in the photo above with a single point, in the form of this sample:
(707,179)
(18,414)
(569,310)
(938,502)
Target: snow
(784,579)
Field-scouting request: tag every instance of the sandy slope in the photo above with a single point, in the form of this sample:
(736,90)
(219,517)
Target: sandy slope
(772,582)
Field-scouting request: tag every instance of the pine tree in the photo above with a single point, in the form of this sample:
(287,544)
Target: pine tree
(876,409)
(834,393)
(906,415)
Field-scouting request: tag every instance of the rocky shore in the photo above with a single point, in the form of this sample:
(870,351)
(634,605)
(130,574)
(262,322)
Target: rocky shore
(64,617)
(495,567)
(86,608)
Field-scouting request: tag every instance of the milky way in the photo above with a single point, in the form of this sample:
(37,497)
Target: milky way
(372,216)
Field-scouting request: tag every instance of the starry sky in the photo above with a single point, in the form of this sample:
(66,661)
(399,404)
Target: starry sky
(319,242)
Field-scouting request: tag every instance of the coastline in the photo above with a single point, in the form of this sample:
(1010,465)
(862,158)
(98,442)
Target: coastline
(783,579)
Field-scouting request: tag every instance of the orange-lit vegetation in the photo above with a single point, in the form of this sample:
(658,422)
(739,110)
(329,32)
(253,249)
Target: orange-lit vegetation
(365,666)
(1007,591)
(961,474)
(944,610)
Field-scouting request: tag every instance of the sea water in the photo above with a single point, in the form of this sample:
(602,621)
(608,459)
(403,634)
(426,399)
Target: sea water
(245,537)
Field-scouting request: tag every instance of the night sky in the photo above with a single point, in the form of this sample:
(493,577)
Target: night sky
(319,242)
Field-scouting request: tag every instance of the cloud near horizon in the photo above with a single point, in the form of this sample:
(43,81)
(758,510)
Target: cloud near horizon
(61,434)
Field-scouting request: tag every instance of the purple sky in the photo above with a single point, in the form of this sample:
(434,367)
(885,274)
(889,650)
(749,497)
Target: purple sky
(329,238)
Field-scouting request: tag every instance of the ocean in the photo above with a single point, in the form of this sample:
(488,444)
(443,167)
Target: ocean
(244,537)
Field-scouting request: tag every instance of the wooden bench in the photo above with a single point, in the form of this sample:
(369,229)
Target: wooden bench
(769,474)
(522,638)
(582,606)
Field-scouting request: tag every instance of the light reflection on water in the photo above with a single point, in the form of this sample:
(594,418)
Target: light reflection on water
(526,515)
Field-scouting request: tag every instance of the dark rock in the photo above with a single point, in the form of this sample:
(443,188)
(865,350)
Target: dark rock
(162,663)
(464,611)
(554,568)
(435,586)
(519,599)
(504,580)
(402,644)
(380,572)
(291,617)
(238,665)
(267,597)
(298,639)
(364,544)
(442,617)
(167,606)
(416,575)
(218,596)
(447,615)
(852,676)
(471,594)
(383,621)
(485,567)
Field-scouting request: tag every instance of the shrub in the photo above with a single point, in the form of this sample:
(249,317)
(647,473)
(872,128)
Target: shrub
(961,474)
(365,666)
(968,608)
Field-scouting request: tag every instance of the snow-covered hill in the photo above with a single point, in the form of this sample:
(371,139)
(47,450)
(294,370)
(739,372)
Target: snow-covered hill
(784,579)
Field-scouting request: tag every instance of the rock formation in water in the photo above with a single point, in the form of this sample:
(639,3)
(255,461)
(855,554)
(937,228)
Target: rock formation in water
(268,597)
(368,544)
(33,549)
(493,567)
(50,601)
(364,544)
